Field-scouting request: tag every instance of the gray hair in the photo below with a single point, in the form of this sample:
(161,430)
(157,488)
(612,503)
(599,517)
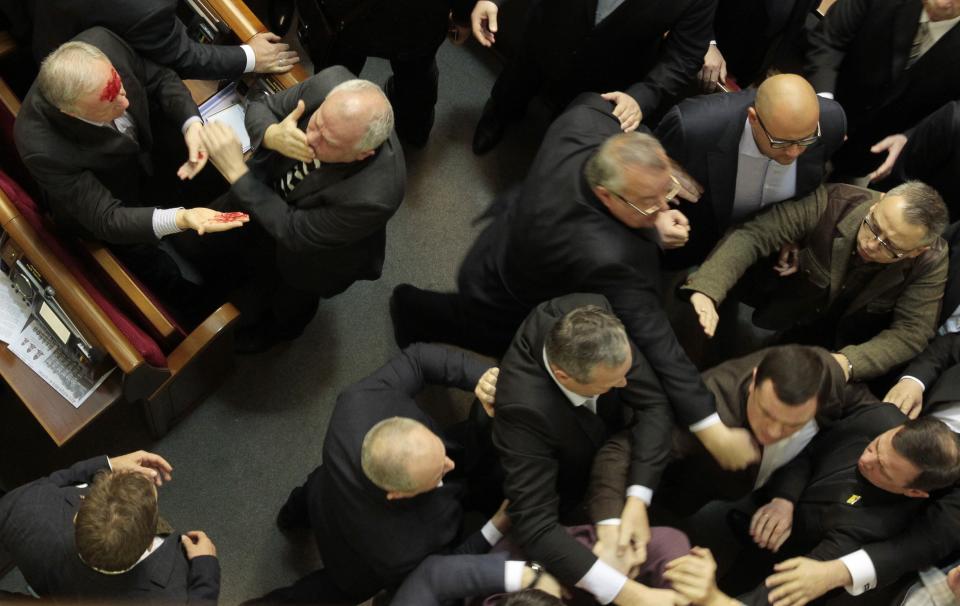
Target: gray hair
(386,449)
(584,338)
(381,122)
(924,207)
(65,74)
(620,152)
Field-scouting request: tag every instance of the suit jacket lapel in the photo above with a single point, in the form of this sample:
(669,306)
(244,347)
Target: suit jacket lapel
(843,244)
(810,168)
(906,20)
(722,168)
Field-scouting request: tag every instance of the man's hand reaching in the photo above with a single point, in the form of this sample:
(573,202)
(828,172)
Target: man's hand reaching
(706,312)
(483,21)
(625,109)
(771,524)
(893,145)
(673,228)
(486,390)
(271,55)
(733,447)
(225,150)
(196,152)
(206,220)
(286,138)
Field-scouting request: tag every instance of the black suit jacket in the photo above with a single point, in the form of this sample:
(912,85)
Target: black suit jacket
(440,579)
(859,52)
(151,27)
(951,292)
(627,51)
(750,33)
(332,228)
(547,445)
(36,529)
(94,180)
(823,483)
(703,135)
(557,238)
(366,541)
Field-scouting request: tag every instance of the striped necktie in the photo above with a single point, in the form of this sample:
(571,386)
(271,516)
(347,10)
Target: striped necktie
(286,184)
(920,42)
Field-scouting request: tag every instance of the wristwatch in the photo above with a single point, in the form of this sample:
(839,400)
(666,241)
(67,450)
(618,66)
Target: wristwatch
(537,573)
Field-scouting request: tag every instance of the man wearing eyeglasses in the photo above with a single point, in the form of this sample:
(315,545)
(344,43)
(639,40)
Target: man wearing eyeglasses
(576,225)
(748,149)
(872,270)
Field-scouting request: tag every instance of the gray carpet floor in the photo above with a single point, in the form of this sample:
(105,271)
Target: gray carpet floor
(238,455)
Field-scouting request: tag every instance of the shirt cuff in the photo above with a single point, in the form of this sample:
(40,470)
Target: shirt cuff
(608,522)
(251,58)
(922,386)
(707,422)
(713,43)
(603,581)
(491,534)
(190,120)
(165,222)
(641,492)
(513,575)
(825,95)
(861,570)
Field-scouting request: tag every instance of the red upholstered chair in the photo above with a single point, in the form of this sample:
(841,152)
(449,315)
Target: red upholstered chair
(161,366)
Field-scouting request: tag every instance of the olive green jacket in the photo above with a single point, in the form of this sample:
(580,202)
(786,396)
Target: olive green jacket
(884,325)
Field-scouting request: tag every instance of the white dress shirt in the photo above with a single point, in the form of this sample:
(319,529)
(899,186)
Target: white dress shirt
(779,453)
(760,180)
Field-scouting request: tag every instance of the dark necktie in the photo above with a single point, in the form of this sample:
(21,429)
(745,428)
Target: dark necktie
(294,176)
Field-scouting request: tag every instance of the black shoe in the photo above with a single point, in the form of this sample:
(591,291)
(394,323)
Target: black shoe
(489,131)
(281,16)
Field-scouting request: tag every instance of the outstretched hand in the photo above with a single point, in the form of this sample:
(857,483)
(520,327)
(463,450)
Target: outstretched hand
(286,138)
(153,466)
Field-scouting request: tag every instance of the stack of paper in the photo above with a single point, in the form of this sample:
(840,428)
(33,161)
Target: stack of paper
(225,107)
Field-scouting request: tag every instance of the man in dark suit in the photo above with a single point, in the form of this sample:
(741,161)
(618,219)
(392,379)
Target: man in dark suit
(638,53)
(326,175)
(748,38)
(781,395)
(571,379)
(91,533)
(100,131)
(86,132)
(575,226)
(889,63)
(748,150)
(153,29)
(391,488)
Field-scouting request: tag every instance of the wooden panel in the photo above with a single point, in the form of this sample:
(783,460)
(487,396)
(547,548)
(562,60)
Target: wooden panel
(202,336)
(74,299)
(57,416)
(9,99)
(7,44)
(246,25)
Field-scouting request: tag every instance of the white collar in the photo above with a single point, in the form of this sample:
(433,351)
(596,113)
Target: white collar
(575,398)
(157,542)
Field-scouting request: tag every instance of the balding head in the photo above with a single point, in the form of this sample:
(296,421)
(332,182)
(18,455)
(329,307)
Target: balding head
(351,123)
(786,109)
(403,457)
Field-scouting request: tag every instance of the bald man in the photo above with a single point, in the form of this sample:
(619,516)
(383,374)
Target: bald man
(748,150)
(326,175)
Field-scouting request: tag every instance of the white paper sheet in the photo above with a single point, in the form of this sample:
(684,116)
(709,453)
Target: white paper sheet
(14,311)
(38,349)
(233,117)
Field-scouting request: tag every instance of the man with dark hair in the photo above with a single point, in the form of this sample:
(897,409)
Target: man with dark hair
(871,274)
(570,380)
(862,481)
(91,533)
(781,395)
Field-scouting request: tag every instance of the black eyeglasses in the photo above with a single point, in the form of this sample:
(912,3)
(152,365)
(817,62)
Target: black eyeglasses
(785,143)
(872,226)
(674,190)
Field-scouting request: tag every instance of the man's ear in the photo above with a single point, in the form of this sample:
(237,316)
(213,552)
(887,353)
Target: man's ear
(753,380)
(604,195)
(559,373)
(394,495)
(752,115)
(913,493)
